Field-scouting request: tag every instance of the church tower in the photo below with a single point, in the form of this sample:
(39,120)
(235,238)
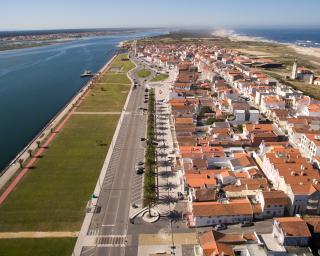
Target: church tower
(294,70)
(311,79)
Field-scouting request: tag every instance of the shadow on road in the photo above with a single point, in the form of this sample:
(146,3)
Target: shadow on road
(166,174)
(169,186)
(167,199)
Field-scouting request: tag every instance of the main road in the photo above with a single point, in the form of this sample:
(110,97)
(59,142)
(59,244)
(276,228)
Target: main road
(121,186)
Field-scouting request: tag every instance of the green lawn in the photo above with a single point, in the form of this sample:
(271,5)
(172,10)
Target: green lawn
(122,62)
(160,77)
(106,98)
(37,247)
(110,94)
(143,73)
(54,194)
(119,78)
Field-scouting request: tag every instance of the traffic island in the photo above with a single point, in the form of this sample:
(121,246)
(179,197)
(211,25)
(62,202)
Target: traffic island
(151,216)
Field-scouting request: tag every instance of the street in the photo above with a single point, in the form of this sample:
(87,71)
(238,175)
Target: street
(121,186)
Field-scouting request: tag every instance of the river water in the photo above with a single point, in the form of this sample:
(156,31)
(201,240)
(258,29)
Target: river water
(35,83)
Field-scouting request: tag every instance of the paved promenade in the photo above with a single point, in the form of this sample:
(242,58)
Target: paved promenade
(53,234)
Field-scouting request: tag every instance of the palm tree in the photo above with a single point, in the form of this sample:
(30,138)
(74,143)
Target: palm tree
(150,200)
(21,162)
(38,143)
(30,152)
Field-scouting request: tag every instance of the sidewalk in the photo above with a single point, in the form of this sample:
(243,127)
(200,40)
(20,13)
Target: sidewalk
(14,235)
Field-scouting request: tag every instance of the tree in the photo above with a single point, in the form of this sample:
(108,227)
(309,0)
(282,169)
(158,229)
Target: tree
(21,162)
(150,197)
(205,109)
(30,152)
(210,121)
(240,128)
(149,189)
(38,143)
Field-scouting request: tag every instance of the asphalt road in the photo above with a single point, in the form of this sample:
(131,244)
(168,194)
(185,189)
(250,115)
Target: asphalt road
(121,186)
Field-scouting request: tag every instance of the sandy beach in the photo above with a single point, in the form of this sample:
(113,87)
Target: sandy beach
(310,51)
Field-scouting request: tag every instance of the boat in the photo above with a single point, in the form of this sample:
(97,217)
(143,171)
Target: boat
(87,73)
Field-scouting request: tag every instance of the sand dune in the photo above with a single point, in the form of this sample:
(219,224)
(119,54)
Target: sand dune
(311,51)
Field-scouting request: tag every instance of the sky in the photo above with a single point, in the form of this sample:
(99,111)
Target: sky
(58,14)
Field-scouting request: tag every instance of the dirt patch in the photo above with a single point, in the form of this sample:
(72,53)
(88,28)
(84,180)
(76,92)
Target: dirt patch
(256,53)
(116,69)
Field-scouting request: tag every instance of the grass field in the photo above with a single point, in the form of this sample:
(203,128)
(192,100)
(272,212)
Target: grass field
(37,247)
(106,98)
(53,195)
(143,73)
(160,77)
(112,89)
(121,61)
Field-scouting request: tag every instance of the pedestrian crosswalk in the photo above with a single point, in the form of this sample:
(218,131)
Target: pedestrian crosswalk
(111,241)
(93,232)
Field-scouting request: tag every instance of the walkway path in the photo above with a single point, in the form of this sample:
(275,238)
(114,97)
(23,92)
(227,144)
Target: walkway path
(96,113)
(12,235)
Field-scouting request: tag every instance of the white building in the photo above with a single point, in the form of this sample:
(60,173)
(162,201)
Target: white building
(213,213)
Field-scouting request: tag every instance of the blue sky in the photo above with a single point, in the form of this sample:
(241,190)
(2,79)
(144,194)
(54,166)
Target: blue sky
(50,14)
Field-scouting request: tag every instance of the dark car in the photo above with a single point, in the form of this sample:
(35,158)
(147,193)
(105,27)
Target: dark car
(146,90)
(246,224)
(146,101)
(139,170)
(180,196)
(143,139)
(220,227)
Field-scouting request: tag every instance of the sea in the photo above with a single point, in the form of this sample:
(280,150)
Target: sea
(35,83)
(305,37)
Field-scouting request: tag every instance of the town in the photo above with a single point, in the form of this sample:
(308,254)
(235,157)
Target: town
(246,149)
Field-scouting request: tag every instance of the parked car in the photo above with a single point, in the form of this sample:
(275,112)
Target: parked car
(146,90)
(143,139)
(220,227)
(139,170)
(180,196)
(246,224)
(135,206)
(140,163)
(146,101)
